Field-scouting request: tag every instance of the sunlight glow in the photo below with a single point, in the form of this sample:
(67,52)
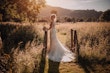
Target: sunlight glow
(81,4)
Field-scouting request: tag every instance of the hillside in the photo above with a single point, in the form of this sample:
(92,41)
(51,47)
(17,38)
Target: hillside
(82,14)
(44,12)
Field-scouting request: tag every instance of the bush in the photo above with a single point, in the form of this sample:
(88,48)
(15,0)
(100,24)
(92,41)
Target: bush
(22,48)
(27,61)
(105,16)
(18,35)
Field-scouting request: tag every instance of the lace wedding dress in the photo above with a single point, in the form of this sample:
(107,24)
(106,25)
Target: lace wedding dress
(58,52)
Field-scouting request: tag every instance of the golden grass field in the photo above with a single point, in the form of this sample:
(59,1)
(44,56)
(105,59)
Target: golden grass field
(94,43)
(93,38)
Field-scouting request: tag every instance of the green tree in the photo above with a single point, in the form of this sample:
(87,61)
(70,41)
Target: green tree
(67,19)
(105,16)
(73,20)
(14,10)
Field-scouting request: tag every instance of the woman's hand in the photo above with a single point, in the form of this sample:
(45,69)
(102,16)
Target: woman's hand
(44,28)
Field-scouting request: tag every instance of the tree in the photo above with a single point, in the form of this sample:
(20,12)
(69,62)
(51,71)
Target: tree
(73,20)
(67,19)
(20,9)
(89,19)
(105,16)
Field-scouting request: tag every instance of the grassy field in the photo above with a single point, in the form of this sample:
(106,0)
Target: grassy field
(23,43)
(94,42)
(93,38)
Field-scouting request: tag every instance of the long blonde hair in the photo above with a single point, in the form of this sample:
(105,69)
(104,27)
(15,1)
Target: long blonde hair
(55,17)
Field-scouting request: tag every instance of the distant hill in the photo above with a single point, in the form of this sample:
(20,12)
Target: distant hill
(61,11)
(77,14)
(84,14)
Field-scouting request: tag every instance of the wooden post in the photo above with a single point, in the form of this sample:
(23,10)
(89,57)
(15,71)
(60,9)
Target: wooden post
(1,45)
(74,43)
(42,62)
(71,39)
(76,46)
(45,40)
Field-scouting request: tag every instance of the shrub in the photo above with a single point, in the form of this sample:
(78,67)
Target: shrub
(27,61)
(22,43)
(18,35)
(105,16)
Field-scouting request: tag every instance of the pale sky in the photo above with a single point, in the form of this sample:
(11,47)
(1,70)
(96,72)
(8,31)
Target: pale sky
(99,5)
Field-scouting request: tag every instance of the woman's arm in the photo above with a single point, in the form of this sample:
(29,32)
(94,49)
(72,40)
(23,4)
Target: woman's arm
(50,26)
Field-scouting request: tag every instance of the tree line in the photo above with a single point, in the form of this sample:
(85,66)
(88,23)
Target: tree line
(81,16)
(103,17)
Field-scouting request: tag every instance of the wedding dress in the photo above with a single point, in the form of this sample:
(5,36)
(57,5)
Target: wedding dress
(58,52)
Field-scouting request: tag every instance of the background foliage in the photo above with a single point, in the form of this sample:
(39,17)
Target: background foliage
(20,10)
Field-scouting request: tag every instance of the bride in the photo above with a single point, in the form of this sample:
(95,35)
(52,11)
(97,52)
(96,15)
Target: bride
(58,52)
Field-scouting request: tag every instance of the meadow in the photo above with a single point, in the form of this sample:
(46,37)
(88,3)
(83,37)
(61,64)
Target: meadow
(22,44)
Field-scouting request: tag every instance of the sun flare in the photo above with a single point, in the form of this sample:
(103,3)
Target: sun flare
(99,5)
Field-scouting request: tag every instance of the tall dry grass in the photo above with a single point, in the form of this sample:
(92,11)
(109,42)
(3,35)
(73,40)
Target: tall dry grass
(21,46)
(27,61)
(93,39)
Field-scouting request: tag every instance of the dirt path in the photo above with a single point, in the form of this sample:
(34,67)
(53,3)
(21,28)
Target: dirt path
(47,66)
(56,67)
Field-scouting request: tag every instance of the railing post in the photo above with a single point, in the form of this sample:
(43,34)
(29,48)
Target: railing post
(71,39)
(1,44)
(74,43)
(45,40)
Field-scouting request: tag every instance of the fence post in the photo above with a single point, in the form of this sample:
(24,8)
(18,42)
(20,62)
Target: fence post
(72,39)
(1,45)
(74,43)
(76,46)
(45,40)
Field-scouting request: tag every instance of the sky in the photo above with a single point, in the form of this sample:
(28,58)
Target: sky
(99,5)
